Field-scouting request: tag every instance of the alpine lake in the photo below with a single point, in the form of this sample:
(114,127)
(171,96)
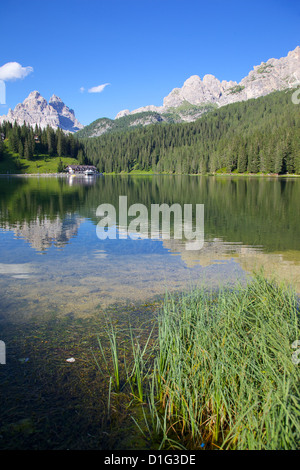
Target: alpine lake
(61,284)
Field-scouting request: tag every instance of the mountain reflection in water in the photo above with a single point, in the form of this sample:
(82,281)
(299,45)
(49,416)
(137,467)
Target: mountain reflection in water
(249,223)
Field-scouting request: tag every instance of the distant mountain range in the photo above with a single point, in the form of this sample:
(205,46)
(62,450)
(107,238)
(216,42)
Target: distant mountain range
(35,110)
(183,113)
(197,96)
(273,75)
(186,104)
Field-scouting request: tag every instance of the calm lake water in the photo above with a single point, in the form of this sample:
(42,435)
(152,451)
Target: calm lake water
(51,257)
(53,265)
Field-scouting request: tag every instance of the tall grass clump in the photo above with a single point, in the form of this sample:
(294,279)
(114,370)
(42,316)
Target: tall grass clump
(222,373)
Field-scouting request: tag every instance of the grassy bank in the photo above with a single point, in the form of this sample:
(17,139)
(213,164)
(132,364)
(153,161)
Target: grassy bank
(11,163)
(220,373)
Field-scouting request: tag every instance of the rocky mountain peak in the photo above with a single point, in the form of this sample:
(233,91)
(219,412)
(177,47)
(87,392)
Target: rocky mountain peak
(60,106)
(122,113)
(193,81)
(36,110)
(34,95)
(295,53)
(273,75)
(33,99)
(55,99)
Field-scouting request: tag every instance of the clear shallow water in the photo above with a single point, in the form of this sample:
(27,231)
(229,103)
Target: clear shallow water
(51,257)
(87,273)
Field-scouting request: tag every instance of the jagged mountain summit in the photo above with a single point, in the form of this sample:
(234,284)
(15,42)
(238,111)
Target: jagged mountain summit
(197,97)
(35,110)
(273,75)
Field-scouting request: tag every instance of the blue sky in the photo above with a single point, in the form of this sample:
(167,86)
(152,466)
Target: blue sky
(141,48)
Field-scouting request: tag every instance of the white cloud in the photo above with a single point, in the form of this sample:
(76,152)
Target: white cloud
(98,89)
(81,89)
(14,71)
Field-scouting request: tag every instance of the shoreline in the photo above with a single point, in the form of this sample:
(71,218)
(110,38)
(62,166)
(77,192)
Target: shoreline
(33,174)
(251,175)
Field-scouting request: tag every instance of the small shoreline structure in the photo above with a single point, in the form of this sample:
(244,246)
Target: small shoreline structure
(82,170)
(70,170)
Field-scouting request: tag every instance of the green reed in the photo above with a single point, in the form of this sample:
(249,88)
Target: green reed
(112,366)
(220,373)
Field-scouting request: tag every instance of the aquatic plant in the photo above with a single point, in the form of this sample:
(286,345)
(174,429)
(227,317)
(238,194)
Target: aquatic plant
(220,372)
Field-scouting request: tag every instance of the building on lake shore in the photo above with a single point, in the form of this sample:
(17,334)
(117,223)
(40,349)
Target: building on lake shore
(81,169)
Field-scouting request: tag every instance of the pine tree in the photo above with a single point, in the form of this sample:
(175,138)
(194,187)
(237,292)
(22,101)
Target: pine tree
(242,160)
(1,149)
(50,141)
(26,150)
(81,157)
(59,143)
(21,149)
(60,166)
(14,140)
(31,143)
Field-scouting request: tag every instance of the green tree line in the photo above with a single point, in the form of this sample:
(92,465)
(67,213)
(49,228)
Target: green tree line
(30,143)
(258,135)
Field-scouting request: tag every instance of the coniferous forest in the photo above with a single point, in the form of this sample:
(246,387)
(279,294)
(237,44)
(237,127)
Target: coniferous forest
(32,143)
(256,136)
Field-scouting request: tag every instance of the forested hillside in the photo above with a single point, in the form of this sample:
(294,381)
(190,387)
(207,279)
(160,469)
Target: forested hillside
(259,135)
(20,144)
(185,113)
